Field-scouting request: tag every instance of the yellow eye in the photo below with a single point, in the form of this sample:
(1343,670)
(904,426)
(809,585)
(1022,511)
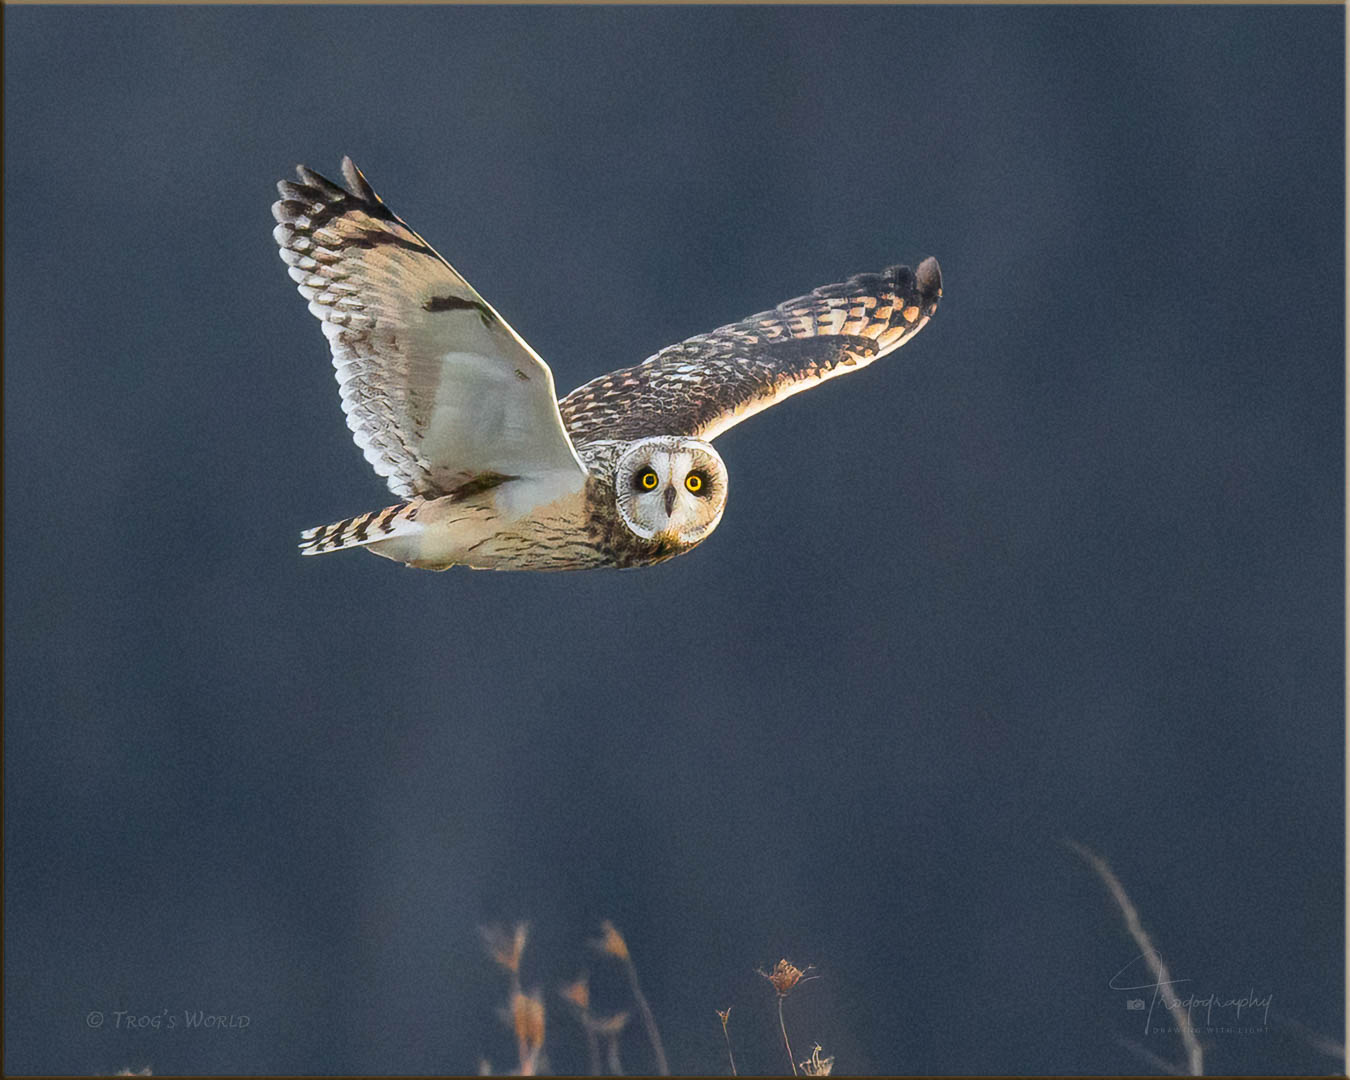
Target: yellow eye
(648,480)
(694,482)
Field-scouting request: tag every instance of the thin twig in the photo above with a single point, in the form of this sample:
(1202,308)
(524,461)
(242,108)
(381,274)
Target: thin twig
(725,1015)
(593,1045)
(615,1069)
(1159,1063)
(1195,1056)
(612,943)
(1315,1039)
(578,995)
(791,1060)
(648,1020)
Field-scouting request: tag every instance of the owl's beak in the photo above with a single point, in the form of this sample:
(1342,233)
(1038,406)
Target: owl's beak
(670,500)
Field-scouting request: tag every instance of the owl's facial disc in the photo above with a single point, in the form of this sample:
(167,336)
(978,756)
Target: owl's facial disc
(671,488)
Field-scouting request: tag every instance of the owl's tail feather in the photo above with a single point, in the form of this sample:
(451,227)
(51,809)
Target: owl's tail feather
(359,531)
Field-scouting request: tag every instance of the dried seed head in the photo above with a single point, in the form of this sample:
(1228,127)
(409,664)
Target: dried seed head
(816,1065)
(527,1018)
(612,942)
(578,993)
(505,948)
(786,975)
(724,1015)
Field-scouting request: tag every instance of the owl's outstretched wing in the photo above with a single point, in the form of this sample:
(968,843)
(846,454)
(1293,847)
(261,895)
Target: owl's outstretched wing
(707,384)
(438,390)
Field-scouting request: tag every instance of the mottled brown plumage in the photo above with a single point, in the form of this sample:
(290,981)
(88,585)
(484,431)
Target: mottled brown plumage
(459,414)
(704,385)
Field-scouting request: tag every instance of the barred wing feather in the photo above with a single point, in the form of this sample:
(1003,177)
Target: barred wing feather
(437,388)
(707,384)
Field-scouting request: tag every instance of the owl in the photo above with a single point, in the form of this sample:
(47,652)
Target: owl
(460,415)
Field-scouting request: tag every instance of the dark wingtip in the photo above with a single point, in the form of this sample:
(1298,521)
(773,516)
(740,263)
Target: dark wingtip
(356,180)
(929,280)
(321,183)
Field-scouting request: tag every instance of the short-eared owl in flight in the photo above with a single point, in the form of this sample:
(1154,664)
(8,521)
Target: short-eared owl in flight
(460,415)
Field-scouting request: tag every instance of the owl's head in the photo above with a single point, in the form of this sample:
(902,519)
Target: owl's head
(670,488)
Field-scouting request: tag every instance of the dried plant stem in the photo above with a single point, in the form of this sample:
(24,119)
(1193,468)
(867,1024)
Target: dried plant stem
(791,1060)
(648,1020)
(528,1020)
(593,1045)
(1195,1056)
(525,1068)
(1316,1040)
(1159,1063)
(615,1068)
(727,1035)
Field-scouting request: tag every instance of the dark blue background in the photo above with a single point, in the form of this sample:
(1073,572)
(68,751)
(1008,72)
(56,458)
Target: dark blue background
(1068,565)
